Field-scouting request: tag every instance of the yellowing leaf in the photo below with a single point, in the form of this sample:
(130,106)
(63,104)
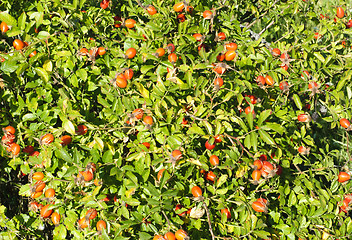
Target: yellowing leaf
(325,235)
(241,171)
(69,127)
(143,91)
(195,161)
(96,191)
(48,66)
(43,74)
(99,142)
(221,180)
(130,192)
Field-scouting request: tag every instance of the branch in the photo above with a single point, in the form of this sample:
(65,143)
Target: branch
(256,20)
(239,143)
(348,152)
(268,26)
(209,222)
(167,219)
(194,117)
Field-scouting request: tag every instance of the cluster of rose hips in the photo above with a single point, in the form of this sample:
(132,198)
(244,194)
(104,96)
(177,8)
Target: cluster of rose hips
(136,115)
(92,53)
(90,215)
(37,189)
(178,235)
(8,141)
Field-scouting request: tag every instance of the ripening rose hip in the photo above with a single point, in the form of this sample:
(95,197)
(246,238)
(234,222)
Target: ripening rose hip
(340,13)
(196,191)
(259,206)
(303,118)
(276,52)
(256,174)
(209,146)
(343,177)
(257,164)
(226,212)
(214,160)
(210,176)
(345,123)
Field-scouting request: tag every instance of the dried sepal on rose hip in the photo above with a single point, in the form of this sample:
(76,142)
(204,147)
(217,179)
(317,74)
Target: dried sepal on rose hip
(256,175)
(91,167)
(304,150)
(148,122)
(197,193)
(304,117)
(197,212)
(268,170)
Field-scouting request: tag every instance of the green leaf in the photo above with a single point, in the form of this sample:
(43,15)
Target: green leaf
(261,234)
(195,130)
(7,18)
(263,116)
(174,141)
(9,66)
(24,190)
(247,141)
(142,90)
(14,32)
(107,157)
(254,140)
(29,117)
(319,56)
(22,21)
(249,118)
(60,232)
(297,101)
(69,127)
(208,126)
(43,74)
(218,128)
(266,137)
(144,236)
(63,154)
(146,68)
(241,123)
(21,68)
(132,201)
(44,35)
(284,228)
(48,66)
(82,74)
(81,3)
(274,126)
(342,82)
(223,178)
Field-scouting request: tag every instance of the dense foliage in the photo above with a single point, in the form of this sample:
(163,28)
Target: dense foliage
(220,119)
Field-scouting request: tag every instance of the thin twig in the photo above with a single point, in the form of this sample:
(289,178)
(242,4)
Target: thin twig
(269,25)
(239,143)
(257,19)
(289,33)
(209,222)
(348,152)
(167,219)
(300,171)
(194,117)
(266,189)
(61,180)
(318,169)
(140,4)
